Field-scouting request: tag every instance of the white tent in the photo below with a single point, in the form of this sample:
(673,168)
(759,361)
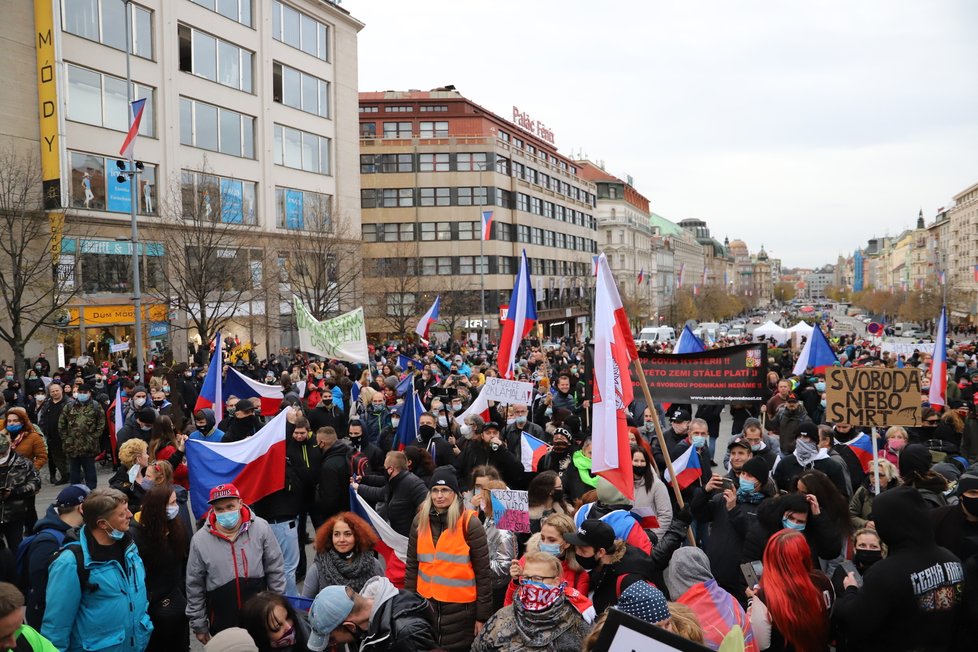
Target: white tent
(802,328)
(770,329)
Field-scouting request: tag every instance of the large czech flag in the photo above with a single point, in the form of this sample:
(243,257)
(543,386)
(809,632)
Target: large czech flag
(862,448)
(211,393)
(391,545)
(531,451)
(687,468)
(520,317)
(256,465)
(269,396)
(816,355)
(938,364)
(427,319)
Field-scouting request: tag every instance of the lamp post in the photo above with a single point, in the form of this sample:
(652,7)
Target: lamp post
(484,199)
(132,171)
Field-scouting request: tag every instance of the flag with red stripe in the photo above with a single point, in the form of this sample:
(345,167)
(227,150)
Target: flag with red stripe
(520,317)
(391,545)
(136,108)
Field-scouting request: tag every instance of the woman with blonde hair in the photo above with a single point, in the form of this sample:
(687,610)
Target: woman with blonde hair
(861,503)
(448,563)
(896,440)
(130,478)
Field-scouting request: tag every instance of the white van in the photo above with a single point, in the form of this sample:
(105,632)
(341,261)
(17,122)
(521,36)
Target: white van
(656,335)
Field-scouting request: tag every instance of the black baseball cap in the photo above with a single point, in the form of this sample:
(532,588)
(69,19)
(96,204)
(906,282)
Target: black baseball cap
(679,415)
(739,441)
(594,533)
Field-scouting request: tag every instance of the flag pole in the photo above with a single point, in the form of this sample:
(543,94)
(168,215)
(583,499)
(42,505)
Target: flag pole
(662,441)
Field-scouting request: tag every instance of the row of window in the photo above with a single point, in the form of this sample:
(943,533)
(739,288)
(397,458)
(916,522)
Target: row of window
(215,59)
(300,90)
(104,21)
(426,129)
(211,198)
(300,31)
(95,185)
(237,10)
(216,129)
(499,231)
(466,265)
(302,150)
(99,99)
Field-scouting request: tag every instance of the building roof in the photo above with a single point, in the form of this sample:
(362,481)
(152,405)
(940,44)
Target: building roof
(665,226)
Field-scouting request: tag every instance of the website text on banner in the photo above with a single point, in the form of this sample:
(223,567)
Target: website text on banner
(733,374)
(873,396)
(341,338)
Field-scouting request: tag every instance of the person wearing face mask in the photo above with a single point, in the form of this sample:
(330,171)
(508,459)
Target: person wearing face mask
(374,455)
(697,436)
(206,426)
(326,413)
(141,427)
(376,420)
(843,436)
(80,425)
(896,440)
(245,423)
(163,542)
(399,497)
(956,526)
(787,421)
(138,399)
(808,455)
(558,458)
(517,422)
(27,442)
(78,617)
(49,415)
(793,511)
(487,448)
(378,618)
(861,503)
(550,539)
(432,440)
(614,508)
(232,557)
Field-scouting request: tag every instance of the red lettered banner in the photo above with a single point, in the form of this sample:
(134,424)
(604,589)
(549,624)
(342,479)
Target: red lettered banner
(733,374)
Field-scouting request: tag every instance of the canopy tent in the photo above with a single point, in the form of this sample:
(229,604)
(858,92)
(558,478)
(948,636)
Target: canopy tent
(802,328)
(770,329)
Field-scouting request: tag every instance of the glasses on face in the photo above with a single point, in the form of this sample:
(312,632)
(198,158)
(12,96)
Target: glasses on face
(538,578)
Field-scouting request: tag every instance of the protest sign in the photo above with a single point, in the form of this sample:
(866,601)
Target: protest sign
(507,391)
(627,633)
(119,348)
(907,348)
(341,338)
(733,374)
(510,510)
(873,396)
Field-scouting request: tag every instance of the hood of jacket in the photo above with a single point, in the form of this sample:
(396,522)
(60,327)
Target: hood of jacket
(51,521)
(380,590)
(340,449)
(903,519)
(688,566)
(209,418)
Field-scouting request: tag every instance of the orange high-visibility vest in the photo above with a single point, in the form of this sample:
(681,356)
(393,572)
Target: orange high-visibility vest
(445,570)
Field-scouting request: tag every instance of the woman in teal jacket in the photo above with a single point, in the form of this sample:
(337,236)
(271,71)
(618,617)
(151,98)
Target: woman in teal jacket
(101,605)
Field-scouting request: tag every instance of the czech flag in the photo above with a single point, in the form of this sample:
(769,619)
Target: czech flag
(269,396)
(614,351)
(211,394)
(256,465)
(817,354)
(862,448)
(428,319)
(641,276)
(407,429)
(975,272)
(718,612)
(938,364)
(687,468)
(520,317)
(679,277)
(942,277)
(403,361)
(129,143)
(391,545)
(531,450)
(688,342)
(479,406)
(486,225)
(117,421)
(646,517)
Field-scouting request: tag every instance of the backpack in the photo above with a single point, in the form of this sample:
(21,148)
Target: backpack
(359,463)
(40,602)
(22,563)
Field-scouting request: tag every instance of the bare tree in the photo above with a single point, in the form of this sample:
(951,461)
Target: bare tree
(459,300)
(34,287)
(214,255)
(392,286)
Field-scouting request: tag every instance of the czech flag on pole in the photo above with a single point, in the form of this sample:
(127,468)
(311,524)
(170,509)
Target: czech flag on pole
(520,317)
(137,107)
(487,225)
(688,342)
(938,364)
(391,544)
(428,319)
(687,467)
(211,394)
(817,354)
(256,465)
(862,448)
(407,429)
(269,396)
(614,351)
(641,276)
(531,450)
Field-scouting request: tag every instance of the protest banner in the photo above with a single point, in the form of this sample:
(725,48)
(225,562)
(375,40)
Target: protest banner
(119,348)
(510,510)
(733,374)
(507,391)
(873,396)
(341,338)
(907,348)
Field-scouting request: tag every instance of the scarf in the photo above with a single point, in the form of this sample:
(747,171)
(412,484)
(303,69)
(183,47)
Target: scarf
(334,569)
(583,465)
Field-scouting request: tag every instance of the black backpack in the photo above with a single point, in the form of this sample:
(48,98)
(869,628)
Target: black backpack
(36,613)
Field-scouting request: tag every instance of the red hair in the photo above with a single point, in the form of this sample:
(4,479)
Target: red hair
(362,532)
(794,602)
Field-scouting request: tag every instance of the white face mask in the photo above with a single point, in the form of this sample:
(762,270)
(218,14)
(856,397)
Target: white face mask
(443,422)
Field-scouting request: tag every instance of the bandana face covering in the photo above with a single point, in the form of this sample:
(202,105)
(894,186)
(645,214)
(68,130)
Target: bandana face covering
(536,596)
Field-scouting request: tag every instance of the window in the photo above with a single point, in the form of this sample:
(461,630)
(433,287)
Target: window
(443,231)
(536,206)
(536,236)
(300,91)
(299,31)
(211,58)
(444,265)
(397,130)
(434,108)
(435,196)
(548,209)
(368,197)
(466,265)
(368,163)
(395,163)
(106,265)
(503,136)
(504,231)
(518,169)
(105,21)
(406,232)
(561,241)
(216,129)
(559,213)
(427,231)
(397,197)
(428,129)
(505,265)
(471,162)
(472,196)
(95,185)
(237,10)
(522,202)
(502,166)
(434,162)
(468,230)
(210,198)
(504,198)
(303,209)
(368,130)
(531,175)
(369,232)
(398,109)
(429,266)
(369,109)
(548,238)
(302,150)
(522,233)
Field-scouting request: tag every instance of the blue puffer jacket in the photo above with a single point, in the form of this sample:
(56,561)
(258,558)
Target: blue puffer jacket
(111,618)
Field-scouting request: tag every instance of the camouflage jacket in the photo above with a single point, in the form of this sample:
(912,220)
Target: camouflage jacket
(80,427)
(19,476)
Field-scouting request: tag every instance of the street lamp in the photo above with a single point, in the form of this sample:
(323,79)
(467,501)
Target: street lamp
(484,199)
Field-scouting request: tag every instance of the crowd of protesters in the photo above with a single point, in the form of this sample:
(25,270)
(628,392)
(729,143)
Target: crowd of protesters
(796,543)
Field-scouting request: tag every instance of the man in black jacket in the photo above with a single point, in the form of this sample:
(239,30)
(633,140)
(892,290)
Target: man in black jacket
(245,423)
(487,448)
(375,457)
(333,492)
(48,415)
(397,500)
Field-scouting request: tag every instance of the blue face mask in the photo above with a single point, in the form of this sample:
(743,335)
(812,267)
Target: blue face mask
(820,387)
(550,548)
(14,428)
(746,486)
(791,525)
(228,520)
(549,412)
(81,398)
(116,534)
(699,442)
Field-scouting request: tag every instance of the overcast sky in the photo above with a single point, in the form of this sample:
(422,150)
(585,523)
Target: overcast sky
(807,127)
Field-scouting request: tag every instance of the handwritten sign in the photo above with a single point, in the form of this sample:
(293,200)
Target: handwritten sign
(873,396)
(507,391)
(907,348)
(510,510)
(119,348)
(341,338)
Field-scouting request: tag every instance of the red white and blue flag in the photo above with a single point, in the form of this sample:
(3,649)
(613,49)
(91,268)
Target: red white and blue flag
(688,342)
(938,364)
(391,544)
(687,468)
(256,465)
(718,612)
(520,317)
(137,107)
(862,448)
(486,225)
(532,451)
(975,272)
(942,277)
(211,394)
(269,396)
(428,319)
(407,428)
(679,277)
(646,517)
(641,276)
(614,351)
(816,355)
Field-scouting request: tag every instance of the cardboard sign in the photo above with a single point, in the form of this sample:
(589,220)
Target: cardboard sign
(510,510)
(119,348)
(873,396)
(507,391)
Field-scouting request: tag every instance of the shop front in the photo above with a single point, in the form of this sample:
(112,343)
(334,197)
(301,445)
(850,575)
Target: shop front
(108,332)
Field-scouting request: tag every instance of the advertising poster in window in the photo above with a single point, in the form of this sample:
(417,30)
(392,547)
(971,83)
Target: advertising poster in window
(231,207)
(120,192)
(293,209)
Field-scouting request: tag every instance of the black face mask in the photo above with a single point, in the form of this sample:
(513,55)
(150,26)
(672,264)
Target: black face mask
(587,563)
(639,471)
(425,432)
(970,505)
(356,441)
(863,559)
